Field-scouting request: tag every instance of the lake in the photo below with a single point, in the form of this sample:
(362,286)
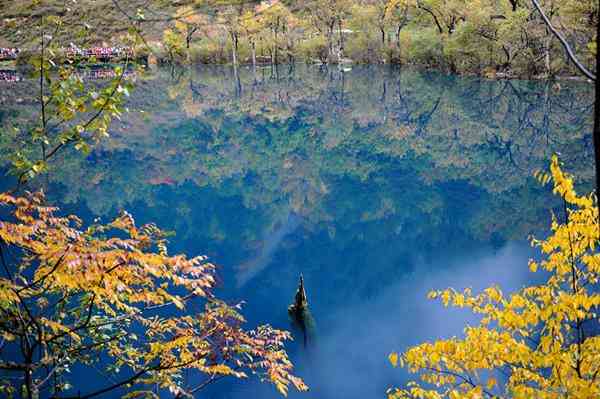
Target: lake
(376,184)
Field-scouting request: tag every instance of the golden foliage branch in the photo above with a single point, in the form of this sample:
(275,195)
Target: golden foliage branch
(70,295)
(541,341)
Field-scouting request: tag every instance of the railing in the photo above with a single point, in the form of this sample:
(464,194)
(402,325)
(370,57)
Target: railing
(103,54)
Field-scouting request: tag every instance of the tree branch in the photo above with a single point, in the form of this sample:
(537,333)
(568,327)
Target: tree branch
(564,43)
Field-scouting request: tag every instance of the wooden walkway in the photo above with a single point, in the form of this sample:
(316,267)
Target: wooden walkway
(95,73)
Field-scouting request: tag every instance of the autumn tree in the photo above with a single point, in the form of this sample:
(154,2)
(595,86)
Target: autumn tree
(385,10)
(540,342)
(190,21)
(252,26)
(445,14)
(231,19)
(173,43)
(276,18)
(327,16)
(483,36)
(111,294)
(399,16)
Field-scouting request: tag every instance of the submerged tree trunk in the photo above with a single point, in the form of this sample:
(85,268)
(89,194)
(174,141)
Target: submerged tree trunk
(300,314)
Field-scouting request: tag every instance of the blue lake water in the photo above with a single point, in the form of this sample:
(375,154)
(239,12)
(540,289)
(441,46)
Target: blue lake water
(377,184)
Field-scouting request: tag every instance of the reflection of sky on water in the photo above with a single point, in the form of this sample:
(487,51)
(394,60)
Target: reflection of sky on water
(365,333)
(377,185)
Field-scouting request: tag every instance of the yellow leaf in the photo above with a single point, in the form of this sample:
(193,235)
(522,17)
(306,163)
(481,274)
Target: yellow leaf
(533,267)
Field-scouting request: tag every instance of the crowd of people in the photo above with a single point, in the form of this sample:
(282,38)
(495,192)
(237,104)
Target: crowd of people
(9,53)
(100,53)
(10,76)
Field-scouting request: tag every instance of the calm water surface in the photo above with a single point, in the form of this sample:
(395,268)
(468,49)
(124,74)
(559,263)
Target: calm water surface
(376,184)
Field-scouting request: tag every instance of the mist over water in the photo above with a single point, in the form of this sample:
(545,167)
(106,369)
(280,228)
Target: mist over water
(352,359)
(377,185)
(350,356)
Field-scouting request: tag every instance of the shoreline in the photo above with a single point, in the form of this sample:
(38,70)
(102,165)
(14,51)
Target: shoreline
(13,67)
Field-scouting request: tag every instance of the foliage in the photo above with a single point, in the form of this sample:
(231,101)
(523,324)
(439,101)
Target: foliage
(71,113)
(71,297)
(173,44)
(485,36)
(482,36)
(540,342)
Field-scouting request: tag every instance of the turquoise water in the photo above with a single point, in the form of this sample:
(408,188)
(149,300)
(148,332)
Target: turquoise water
(377,184)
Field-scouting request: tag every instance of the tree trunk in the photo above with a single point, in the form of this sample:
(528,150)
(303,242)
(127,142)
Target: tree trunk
(275,47)
(596,132)
(547,49)
(330,42)
(234,48)
(506,65)
(341,34)
(398,43)
(253,46)
(188,39)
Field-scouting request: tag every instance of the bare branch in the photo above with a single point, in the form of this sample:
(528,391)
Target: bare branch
(564,42)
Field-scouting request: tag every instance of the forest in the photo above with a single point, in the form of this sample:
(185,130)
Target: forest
(487,37)
(234,199)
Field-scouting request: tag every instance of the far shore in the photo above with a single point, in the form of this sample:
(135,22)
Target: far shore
(23,69)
